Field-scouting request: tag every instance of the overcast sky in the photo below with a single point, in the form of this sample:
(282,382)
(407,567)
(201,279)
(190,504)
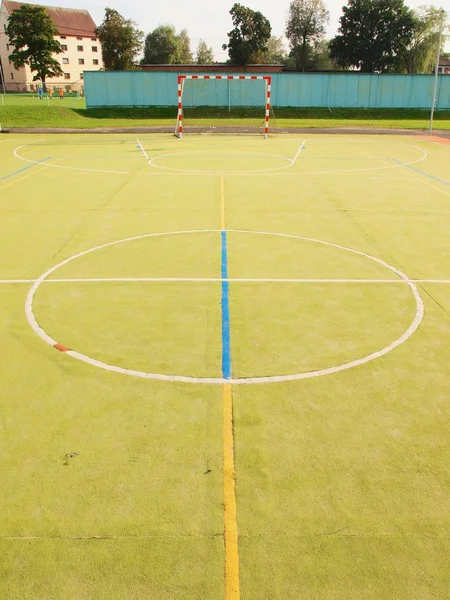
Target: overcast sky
(207,19)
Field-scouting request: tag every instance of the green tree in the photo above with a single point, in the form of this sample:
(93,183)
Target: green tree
(204,55)
(420,55)
(32,33)
(121,41)
(183,54)
(372,34)
(276,52)
(249,37)
(321,58)
(305,27)
(316,58)
(161,46)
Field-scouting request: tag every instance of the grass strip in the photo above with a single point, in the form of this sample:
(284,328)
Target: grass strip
(37,116)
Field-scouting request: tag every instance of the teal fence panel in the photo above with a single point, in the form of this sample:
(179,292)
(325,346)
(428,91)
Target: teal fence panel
(332,90)
(130,88)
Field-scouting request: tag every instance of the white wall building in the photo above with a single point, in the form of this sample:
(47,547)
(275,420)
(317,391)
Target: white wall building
(82,50)
(444,66)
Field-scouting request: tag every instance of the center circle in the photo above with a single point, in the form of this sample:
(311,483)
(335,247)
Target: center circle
(419,311)
(190,159)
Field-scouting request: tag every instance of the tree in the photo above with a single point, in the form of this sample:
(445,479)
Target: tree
(121,41)
(316,58)
(305,26)
(372,34)
(249,37)
(183,54)
(321,58)
(204,55)
(276,52)
(420,55)
(32,33)
(163,46)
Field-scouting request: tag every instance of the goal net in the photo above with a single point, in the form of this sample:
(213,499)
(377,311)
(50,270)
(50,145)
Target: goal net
(224,104)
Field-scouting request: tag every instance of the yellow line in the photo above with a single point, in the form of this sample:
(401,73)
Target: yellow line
(427,183)
(7,159)
(42,166)
(229,493)
(222,202)
(229,500)
(19,179)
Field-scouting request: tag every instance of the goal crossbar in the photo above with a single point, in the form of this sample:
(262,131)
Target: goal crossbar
(267,79)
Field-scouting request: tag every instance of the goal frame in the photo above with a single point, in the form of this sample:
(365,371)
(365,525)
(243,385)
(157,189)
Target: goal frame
(182,78)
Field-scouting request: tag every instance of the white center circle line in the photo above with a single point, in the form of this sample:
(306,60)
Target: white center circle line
(281,169)
(219,380)
(212,171)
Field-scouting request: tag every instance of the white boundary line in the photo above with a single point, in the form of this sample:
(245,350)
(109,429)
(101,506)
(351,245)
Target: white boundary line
(2,281)
(383,168)
(142,148)
(62,166)
(298,152)
(219,380)
(275,170)
(219,280)
(211,172)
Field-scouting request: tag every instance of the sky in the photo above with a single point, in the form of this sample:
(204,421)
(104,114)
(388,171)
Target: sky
(208,19)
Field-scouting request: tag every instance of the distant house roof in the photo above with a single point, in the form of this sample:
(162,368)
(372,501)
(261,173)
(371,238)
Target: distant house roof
(68,21)
(444,62)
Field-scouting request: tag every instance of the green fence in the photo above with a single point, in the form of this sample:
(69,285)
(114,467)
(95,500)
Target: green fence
(352,90)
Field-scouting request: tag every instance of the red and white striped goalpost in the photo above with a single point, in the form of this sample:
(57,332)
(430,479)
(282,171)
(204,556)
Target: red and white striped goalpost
(181,79)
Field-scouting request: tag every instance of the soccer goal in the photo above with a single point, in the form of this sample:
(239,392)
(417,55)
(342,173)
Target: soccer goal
(224,104)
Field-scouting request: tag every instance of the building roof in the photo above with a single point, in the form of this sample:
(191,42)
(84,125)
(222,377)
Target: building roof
(444,62)
(68,21)
(213,68)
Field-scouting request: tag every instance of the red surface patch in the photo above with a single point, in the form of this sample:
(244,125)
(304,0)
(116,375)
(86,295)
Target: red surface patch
(436,138)
(61,348)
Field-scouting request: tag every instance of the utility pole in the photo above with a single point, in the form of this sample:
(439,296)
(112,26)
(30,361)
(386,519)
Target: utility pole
(436,71)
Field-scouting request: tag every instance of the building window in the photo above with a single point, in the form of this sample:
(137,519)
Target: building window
(65,61)
(93,39)
(66,75)
(81,61)
(94,48)
(62,37)
(79,38)
(64,47)
(12,75)
(95,61)
(80,48)
(81,75)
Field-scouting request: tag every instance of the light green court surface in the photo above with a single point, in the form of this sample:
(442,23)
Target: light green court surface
(112,484)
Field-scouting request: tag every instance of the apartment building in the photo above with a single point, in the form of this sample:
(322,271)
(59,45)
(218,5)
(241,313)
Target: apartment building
(76,34)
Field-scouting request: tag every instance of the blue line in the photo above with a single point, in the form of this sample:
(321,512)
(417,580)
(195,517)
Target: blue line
(421,172)
(24,169)
(226,345)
